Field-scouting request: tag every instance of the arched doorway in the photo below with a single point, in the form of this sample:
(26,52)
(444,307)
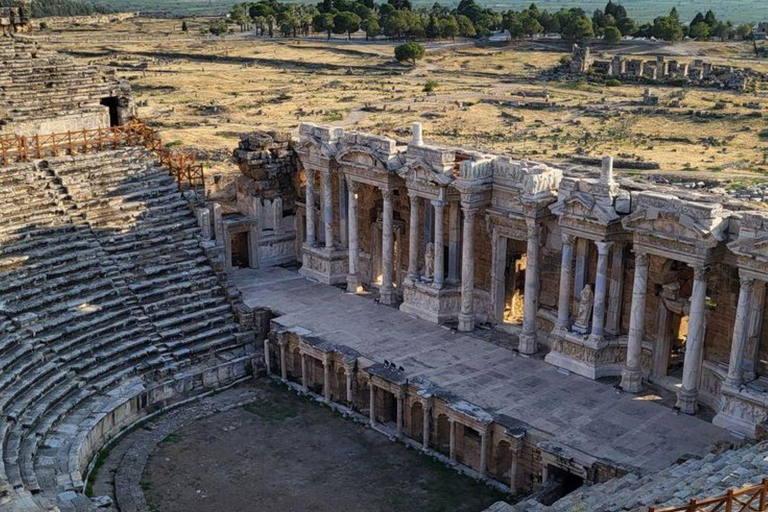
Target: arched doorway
(417,421)
(443,434)
(502,463)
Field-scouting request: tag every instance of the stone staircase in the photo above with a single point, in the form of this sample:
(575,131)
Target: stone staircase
(43,85)
(105,295)
(710,476)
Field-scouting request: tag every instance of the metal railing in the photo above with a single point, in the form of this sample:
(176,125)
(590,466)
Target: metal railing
(751,498)
(182,166)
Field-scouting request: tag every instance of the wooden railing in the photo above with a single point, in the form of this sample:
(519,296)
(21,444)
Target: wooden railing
(183,166)
(747,499)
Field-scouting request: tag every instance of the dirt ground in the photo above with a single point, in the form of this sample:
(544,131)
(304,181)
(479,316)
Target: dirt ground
(201,92)
(284,452)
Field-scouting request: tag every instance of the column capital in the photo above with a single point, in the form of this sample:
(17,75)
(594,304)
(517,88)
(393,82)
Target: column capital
(603,247)
(470,212)
(439,205)
(641,258)
(700,272)
(532,228)
(746,281)
(386,193)
(352,185)
(568,239)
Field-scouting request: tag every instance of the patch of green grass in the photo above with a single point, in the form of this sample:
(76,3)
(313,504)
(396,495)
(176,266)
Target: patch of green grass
(172,438)
(763,134)
(102,457)
(269,410)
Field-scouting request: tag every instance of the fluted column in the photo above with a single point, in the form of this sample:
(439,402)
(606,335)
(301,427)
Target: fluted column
(754,331)
(601,287)
(615,291)
(694,344)
(566,281)
(453,243)
(353,278)
(527,343)
(739,342)
(343,210)
(385,292)
(348,379)
(452,444)
(467,313)
(413,240)
(327,209)
(632,373)
(439,247)
(310,206)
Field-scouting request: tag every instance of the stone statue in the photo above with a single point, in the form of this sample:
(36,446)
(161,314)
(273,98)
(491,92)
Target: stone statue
(586,301)
(429,261)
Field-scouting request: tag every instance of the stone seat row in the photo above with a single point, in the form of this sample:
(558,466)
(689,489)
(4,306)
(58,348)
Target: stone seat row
(112,304)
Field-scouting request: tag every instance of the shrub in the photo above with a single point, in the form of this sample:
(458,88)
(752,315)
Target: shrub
(409,52)
(430,86)
(612,82)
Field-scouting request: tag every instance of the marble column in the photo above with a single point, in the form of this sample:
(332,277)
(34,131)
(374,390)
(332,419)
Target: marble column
(694,344)
(283,363)
(304,378)
(467,313)
(353,278)
(327,209)
(615,291)
(452,445)
(386,295)
(326,379)
(582,260)
(310,206)
(371,404)
(632,373)
(453,242)
(483,452)
(267,361)
(513,470)
(413,237)
(425,426)
(343,210)
(754,332)
(348,378)
(740,327)
(601,287)
(566,280)
(527,343)
(439,247)
(399,419)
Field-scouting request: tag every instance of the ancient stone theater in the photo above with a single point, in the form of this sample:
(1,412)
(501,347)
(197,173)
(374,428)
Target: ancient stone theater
(580,341)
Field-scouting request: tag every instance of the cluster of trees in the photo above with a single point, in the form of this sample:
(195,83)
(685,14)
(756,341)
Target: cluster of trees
(398,19)
(45,8)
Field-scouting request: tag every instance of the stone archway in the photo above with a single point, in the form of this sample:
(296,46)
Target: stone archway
(502,462)
(442,434)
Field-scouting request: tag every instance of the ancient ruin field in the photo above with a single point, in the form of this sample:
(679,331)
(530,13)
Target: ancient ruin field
(203,92)
(283,452)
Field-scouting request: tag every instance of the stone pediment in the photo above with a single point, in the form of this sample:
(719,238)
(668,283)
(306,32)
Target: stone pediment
(423,173)
(590,200)
(752,241)
(369,152)
(668,217)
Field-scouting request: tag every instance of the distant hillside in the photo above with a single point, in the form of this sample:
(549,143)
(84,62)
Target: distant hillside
(44,8)
(738,11)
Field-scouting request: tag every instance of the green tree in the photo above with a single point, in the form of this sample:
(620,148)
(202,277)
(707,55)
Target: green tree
(346,22)
(409,52)
(699,31)
(218,27)
(611,35)
(449,28)
(466,27)
(578,27)
(323,23)
(371,27)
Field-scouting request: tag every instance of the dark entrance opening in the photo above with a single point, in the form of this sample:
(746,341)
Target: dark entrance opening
(559,483)
(113,103)
(240,250)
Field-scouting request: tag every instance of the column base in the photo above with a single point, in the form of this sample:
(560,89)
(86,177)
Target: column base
(527,344)
(632,380)
(466,322)
(353,283)
(386,296)
(687,401)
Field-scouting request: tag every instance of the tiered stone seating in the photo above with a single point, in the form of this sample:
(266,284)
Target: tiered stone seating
(103,289)
(674,486)
(43,85)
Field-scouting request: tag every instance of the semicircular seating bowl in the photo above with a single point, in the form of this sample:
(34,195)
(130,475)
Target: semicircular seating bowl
(108,308)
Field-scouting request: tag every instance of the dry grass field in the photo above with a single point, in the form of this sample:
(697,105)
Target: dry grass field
(202,92)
